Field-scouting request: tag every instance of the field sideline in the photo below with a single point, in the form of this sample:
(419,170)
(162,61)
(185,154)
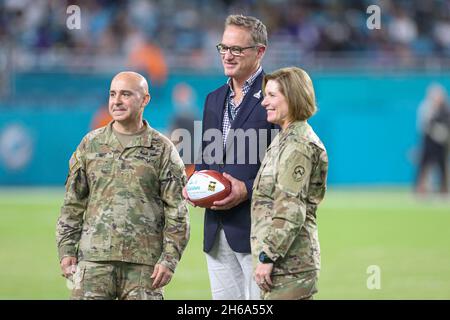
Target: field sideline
(408,240)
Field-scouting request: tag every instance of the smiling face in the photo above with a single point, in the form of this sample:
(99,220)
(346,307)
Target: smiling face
(128,96)
(240,67)
(276,105)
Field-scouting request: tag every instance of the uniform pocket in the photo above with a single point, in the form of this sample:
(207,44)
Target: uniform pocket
(94,280)
(77,282)
(266,185)
(264,182)
(100,162)
(296,286)
(146,292)
(79,276)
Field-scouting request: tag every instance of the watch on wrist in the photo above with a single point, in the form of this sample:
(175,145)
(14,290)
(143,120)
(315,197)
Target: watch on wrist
(263,258)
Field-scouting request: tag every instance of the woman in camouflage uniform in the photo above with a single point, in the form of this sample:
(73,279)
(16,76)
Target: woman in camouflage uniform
(290,184)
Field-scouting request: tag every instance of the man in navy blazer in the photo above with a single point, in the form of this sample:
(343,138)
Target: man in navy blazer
(234,110)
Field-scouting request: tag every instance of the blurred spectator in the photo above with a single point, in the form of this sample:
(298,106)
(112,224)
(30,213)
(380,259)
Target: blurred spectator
(150,58)
(402,28)
(434,125)
(441,34)
(184,101)
(409,29)
(101,117)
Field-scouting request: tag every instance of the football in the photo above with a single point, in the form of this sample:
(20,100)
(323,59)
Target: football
(206,186)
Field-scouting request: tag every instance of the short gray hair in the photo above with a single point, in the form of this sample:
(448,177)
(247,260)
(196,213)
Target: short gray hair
(257,29)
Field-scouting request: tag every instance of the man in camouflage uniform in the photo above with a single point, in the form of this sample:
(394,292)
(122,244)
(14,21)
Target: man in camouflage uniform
(124,222)
(290,184)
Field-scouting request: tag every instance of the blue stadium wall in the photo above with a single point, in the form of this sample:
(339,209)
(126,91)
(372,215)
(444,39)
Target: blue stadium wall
(367,122)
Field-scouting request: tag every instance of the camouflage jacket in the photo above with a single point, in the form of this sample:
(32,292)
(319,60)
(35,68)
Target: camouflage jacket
(287,190)
(124,204)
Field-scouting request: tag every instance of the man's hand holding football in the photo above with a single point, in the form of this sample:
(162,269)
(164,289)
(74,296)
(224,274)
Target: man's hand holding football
(237,195)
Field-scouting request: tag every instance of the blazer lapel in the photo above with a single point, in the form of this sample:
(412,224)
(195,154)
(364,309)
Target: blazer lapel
(220,103)
(251,99)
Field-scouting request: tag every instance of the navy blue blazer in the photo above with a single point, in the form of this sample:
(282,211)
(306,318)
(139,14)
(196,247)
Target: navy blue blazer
(236,221)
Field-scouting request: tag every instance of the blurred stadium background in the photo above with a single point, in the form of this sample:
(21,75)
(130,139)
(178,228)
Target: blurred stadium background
(369,84)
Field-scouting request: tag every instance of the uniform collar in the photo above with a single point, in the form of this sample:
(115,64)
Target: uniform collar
(142,140)
(293,126)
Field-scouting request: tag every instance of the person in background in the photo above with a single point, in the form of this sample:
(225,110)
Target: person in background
(182,127)
(434,125)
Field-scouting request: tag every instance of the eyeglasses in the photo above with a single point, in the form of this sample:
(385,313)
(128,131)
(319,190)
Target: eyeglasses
(234,50)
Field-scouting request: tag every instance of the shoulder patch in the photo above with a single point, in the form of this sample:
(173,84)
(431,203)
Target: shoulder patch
(74,163)
(299,172)
(293,172)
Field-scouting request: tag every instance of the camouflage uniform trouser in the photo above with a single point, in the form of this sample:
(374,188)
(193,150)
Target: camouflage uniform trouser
(114,280)
(297,286)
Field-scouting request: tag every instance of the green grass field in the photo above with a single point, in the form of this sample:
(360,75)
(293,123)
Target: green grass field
(409,240)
